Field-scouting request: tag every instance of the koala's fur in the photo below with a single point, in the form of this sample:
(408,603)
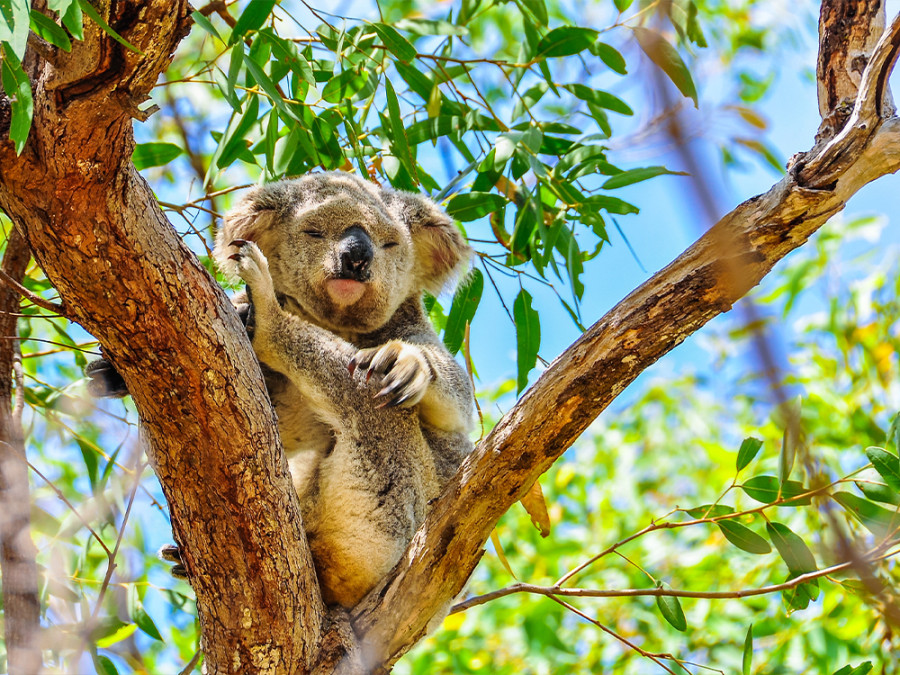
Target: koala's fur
(373,411)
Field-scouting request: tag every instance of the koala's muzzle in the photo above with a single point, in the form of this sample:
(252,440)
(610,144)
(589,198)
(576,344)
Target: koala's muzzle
(356,252)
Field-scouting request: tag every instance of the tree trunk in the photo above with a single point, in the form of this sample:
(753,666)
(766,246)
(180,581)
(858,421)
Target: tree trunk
(124,274)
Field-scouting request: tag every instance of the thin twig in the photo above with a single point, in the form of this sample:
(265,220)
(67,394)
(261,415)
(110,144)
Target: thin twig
(33,297)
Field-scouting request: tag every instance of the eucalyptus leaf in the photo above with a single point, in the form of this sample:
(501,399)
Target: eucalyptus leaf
(462,311)
(749,449)
(671,610)
(528,337)
(664,55)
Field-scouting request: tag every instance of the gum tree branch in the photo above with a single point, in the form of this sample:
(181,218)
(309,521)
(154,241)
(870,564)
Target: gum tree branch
(587,377)
(649,592)
(94,226)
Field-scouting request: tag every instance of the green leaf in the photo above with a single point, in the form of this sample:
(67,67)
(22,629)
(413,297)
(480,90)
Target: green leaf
(74,21)
(671,610)
(599,98)
(566,41)
(399,144)
(749,449)
(669,61)
(252,18)
(638,175)
(18,87)
(538,10)
(232,142)
(791,548)
(528,337)
(861,669)
(396,44)
(344,85)
(622,5)
(799,597)
(743,537)
(611,205)
(14,25)
(789,412)
(88,9)
(692,28)
(887,464)
(893,435)
(49,30)
(878,520)
(145,623)
(765,489)
(747,658)
(105,666)
(113,632)
(265,82)
(878,492)
(206,25)
(709,511)
(610,56)
(154,154)
(462,311)
(473,205)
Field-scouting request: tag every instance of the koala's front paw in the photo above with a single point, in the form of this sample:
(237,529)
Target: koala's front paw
(253,268)
(400,369)
(171,553)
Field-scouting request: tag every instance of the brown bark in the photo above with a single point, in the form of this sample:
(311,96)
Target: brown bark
(124,274)
(18,568)
(93,225)
(587,377)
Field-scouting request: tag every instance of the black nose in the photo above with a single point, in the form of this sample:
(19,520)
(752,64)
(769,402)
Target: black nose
(356,252)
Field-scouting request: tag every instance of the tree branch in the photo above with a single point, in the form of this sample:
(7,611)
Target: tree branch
(18,567)
(583,381)
(94,226)
(650,592)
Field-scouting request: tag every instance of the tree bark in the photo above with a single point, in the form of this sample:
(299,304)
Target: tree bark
(93,225)
(18,567)
(699,285)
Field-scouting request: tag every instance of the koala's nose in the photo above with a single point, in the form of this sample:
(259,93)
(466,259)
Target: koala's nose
(356,253)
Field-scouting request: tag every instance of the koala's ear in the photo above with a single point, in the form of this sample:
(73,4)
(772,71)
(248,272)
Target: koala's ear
(441,251)
(251,219)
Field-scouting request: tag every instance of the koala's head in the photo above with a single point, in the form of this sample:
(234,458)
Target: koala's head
(346,252)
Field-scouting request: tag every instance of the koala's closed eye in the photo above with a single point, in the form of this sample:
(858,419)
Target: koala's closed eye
(315,234)
(390,244)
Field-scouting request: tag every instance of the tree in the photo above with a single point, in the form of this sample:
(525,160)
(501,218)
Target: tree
(90,220)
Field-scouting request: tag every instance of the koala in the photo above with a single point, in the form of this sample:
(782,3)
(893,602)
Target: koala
(373,411)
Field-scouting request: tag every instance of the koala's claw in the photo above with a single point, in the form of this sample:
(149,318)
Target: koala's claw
(400,369)
(239,242)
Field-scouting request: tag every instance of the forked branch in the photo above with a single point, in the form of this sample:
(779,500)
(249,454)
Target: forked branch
(588,376)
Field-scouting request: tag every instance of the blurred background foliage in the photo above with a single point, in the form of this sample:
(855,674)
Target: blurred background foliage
(525,119)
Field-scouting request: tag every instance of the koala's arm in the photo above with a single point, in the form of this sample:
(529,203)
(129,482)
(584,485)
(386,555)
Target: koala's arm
(313,358)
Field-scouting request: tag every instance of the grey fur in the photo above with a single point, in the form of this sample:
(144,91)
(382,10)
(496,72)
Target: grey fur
(374,413)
